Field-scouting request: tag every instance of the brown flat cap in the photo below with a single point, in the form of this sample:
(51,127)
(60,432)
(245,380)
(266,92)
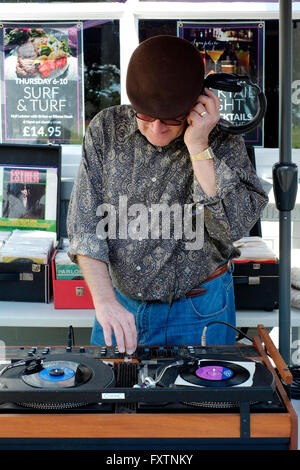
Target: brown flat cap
(164,77)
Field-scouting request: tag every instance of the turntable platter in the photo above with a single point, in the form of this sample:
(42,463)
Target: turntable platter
(63,372)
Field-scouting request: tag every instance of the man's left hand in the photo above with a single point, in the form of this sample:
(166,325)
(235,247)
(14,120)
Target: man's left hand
(201,120)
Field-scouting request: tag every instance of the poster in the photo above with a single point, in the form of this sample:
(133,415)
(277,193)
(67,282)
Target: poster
(41,83)
(28,197)
(296,87)
(232,47)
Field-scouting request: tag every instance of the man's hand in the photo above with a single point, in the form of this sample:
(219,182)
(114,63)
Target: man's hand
(201,120)
(113,317)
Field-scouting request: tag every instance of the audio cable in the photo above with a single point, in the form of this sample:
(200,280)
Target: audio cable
(203,336)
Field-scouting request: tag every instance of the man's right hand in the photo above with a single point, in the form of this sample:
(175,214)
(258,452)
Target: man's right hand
(113,317)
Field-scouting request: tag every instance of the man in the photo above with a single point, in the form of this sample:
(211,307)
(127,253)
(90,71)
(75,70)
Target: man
(165,150)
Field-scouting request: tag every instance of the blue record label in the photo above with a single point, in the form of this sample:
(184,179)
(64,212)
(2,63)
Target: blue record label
(56,374)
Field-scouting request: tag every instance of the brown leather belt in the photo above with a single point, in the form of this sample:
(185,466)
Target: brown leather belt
(201,290)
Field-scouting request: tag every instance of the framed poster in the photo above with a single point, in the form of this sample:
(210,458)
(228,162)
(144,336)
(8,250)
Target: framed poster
(41,70)
(30,187)
(232,47)
(28,197)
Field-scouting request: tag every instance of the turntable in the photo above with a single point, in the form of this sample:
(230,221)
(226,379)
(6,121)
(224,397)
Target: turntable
(42,377)
(190,397)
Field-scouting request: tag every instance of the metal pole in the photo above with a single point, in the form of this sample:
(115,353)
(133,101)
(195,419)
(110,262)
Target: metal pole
(285,156)
(284,284)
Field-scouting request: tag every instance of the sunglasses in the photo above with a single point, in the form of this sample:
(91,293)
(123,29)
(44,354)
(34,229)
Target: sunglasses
(168,122)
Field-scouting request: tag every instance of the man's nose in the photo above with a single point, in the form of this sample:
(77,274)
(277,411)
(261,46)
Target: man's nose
(158,126)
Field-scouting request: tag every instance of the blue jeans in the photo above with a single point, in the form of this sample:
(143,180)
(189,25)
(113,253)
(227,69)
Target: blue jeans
(183,323)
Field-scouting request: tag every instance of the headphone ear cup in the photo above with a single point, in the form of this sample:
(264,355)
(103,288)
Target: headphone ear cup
(244,128)
(232,83)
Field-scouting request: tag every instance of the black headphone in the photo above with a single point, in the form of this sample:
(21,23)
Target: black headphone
(233,83)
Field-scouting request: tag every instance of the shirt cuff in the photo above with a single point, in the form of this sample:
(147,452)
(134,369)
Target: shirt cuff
(226,180)
(88,245)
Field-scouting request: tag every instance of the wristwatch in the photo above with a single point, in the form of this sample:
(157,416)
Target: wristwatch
(207,154)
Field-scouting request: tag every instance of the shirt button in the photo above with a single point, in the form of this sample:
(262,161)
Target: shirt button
(153,179)
(138,268)
(139,294)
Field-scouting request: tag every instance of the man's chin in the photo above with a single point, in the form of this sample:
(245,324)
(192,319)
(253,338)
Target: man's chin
(160,141)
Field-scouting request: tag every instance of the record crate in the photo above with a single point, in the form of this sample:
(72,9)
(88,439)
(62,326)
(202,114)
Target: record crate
(70,293)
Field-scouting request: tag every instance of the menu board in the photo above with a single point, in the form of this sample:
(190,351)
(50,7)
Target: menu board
(41,83)
(232,47)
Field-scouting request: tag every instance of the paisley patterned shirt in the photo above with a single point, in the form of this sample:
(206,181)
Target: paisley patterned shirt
(122,175)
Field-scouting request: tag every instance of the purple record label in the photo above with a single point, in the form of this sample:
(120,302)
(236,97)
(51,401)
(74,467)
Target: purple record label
(214,372)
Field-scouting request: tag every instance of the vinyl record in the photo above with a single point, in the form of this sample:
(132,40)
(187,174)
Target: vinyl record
(215,374)
(59,374)
(63,370)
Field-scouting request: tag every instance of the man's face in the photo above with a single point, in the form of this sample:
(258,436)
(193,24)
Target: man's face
(158,133)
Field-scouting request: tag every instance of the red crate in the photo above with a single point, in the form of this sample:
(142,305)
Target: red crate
(70,293)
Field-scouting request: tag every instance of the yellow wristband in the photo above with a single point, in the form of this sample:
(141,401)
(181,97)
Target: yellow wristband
(207,154)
